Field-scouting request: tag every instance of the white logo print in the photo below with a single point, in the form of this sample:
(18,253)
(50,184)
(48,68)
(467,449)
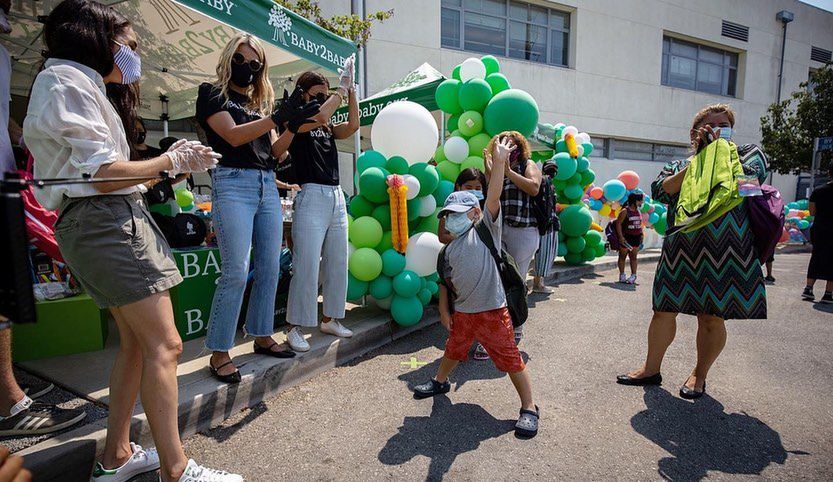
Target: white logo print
(281,21)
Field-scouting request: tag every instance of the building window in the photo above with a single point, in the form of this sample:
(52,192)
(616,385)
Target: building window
(507,28)
(647,151)
(600,147)
(697,67)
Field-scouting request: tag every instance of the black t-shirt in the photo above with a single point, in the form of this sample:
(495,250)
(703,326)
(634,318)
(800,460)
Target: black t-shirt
(315,157)
(257,154)
(823,199)
(149,153)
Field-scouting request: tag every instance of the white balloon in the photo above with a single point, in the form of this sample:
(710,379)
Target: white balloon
(560,125)
(472,68)
(580,149)
(427,205)
(413,186)
(405,129)
(456,149)
(421,255)
(384,303)
(570,130)
(583,137)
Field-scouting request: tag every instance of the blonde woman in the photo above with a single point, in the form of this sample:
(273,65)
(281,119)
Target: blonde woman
(236,113)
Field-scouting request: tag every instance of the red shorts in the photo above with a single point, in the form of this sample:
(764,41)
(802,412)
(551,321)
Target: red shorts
(493,329)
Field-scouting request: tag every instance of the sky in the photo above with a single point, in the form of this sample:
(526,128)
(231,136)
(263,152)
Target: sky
(825,4)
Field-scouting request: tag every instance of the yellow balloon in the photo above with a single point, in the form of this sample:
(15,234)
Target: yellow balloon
(604,210)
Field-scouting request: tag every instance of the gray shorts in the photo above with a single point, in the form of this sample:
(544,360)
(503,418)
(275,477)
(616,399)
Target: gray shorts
(114,249)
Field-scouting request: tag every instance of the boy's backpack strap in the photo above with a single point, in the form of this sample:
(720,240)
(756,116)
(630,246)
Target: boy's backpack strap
(486,237)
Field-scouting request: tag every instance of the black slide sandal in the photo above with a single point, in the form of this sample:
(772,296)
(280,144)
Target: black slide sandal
(527,426)
(230,378)
(260,350)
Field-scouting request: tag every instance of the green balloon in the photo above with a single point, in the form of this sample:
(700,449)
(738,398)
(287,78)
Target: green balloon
(561,146)
(477,143)
(562,249)
(561,237)
(587,177)
(662,225)
(355,288)
(575,245)
(455,74)
(474,94)
(433,287)
(470,123)
(439,155)
(413,224)
(382,215)
(573,192)
(449,171)
(593,238)
(589,253)
(575,179)
(583,164)
(393,263)
(366,232)
(184,197)
(386,243)
(498,82)
(406,311)
(365,264)
(413,209)
(559,185)
(575,220)
(600,250)
(349,221)
(429,224)
(473,161)
(373,184)
(447,94)
(370,159)
(453,123)
(424,296)
(433,277)
(566,166)
(360,206)
(559,135)
(511,110)
(491,63)
(398,165)
(407,284)
(381,287)
(646,207)
(427,175)
(588,148)
(444,188)
(573,258)
(457,133)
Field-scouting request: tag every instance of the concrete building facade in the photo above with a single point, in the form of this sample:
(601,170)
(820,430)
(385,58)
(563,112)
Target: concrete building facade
(632,73)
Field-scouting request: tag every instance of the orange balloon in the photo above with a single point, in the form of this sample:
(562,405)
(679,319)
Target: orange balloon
(597,192)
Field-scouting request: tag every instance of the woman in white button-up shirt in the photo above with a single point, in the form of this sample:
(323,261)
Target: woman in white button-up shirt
(105,233)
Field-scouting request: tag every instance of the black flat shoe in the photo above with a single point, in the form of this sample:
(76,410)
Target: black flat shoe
(639,382)
(691,393)
(432,388)
(230,378)
(260,350)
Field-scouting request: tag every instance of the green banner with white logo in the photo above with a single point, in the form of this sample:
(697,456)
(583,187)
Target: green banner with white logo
(279,26)
(418,86)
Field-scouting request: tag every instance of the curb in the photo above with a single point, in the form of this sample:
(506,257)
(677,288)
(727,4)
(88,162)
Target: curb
(206,403)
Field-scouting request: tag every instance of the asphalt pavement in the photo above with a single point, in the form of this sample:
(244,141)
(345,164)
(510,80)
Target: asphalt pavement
(767,412)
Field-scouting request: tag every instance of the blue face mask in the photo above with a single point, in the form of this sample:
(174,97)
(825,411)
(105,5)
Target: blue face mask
(457,224)
(478,194)
(129,63)
(725,133)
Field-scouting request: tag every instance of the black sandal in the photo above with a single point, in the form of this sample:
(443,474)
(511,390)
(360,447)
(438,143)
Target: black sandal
(261,350)
(230,378)
(527,426)
(692,393)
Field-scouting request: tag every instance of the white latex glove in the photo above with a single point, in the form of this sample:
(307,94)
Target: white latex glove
(191,156)
(348,72)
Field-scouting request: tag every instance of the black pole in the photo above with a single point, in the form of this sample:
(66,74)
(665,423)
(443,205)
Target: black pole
(781,67)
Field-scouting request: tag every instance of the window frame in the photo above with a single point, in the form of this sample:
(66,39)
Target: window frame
(553,28)
(656,154)
(729,67)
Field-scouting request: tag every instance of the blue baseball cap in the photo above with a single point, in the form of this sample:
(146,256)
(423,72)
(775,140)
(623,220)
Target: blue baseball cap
(459,202)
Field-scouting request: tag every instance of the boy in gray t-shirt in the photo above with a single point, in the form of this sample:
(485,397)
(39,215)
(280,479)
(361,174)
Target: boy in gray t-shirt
(472,276)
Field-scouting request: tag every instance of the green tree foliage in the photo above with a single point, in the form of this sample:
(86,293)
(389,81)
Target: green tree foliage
(789,127)
(351,27)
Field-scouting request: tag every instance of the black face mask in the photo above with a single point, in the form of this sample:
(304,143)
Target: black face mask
(140,137)
(242,75)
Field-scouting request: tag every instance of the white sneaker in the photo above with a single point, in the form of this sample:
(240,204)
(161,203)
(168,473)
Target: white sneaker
(140,462)
(335,328)
(296,340)
(623,278)
(631,279)
(198,473)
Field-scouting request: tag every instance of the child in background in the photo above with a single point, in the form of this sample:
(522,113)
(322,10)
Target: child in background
(469,179)
(472,281)
(629,231)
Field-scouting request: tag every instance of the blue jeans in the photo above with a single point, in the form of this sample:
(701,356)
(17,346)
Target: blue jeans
(319,232)
(246,213)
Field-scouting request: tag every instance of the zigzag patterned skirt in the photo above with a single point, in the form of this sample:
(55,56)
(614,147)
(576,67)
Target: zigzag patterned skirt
(713,270)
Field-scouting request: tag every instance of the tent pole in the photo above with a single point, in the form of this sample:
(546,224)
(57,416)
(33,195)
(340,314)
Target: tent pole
(442,128)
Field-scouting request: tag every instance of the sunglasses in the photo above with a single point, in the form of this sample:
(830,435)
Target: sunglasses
(239,59)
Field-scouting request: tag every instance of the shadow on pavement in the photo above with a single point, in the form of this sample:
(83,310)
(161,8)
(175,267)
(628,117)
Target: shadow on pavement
(701,437)
(466,371)
(450,430)
(618,286)
(823,308)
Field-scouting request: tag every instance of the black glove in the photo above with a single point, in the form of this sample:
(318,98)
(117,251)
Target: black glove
(301,116)
(288,104)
